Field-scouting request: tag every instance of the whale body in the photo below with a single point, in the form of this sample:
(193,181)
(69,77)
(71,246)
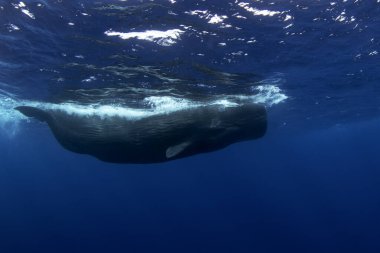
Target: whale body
(156,138)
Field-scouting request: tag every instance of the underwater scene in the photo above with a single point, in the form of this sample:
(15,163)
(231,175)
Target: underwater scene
(189,126)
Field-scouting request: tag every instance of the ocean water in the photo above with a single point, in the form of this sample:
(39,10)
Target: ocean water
(311,184)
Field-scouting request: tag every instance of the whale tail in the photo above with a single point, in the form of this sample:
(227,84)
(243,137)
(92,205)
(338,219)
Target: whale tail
(34,112)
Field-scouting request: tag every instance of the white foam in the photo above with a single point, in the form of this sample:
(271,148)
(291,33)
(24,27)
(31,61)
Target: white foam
(167,104)
(265,13)
(197,12)
(89,79)
(28,13)
(23,8)
(9,118)
(217,19)
(288,17)
(225,103)
(12,27)
(157,105)
(102,111)
(212,18)
(267,93)
(162,38)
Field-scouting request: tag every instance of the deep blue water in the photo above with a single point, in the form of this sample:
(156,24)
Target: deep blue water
(311,184)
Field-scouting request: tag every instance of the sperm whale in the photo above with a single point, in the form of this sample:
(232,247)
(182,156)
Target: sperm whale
(156,138)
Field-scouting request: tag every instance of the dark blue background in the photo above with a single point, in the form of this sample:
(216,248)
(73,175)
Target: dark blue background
(314,192)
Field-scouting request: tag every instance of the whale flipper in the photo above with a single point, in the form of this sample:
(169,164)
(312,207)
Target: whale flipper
(172,151)
(34,112)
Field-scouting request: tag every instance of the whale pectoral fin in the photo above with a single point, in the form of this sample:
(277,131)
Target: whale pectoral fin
(175,150)
(33,112)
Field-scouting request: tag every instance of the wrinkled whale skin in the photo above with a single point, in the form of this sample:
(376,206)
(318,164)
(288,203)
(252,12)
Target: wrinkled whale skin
(157,138)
